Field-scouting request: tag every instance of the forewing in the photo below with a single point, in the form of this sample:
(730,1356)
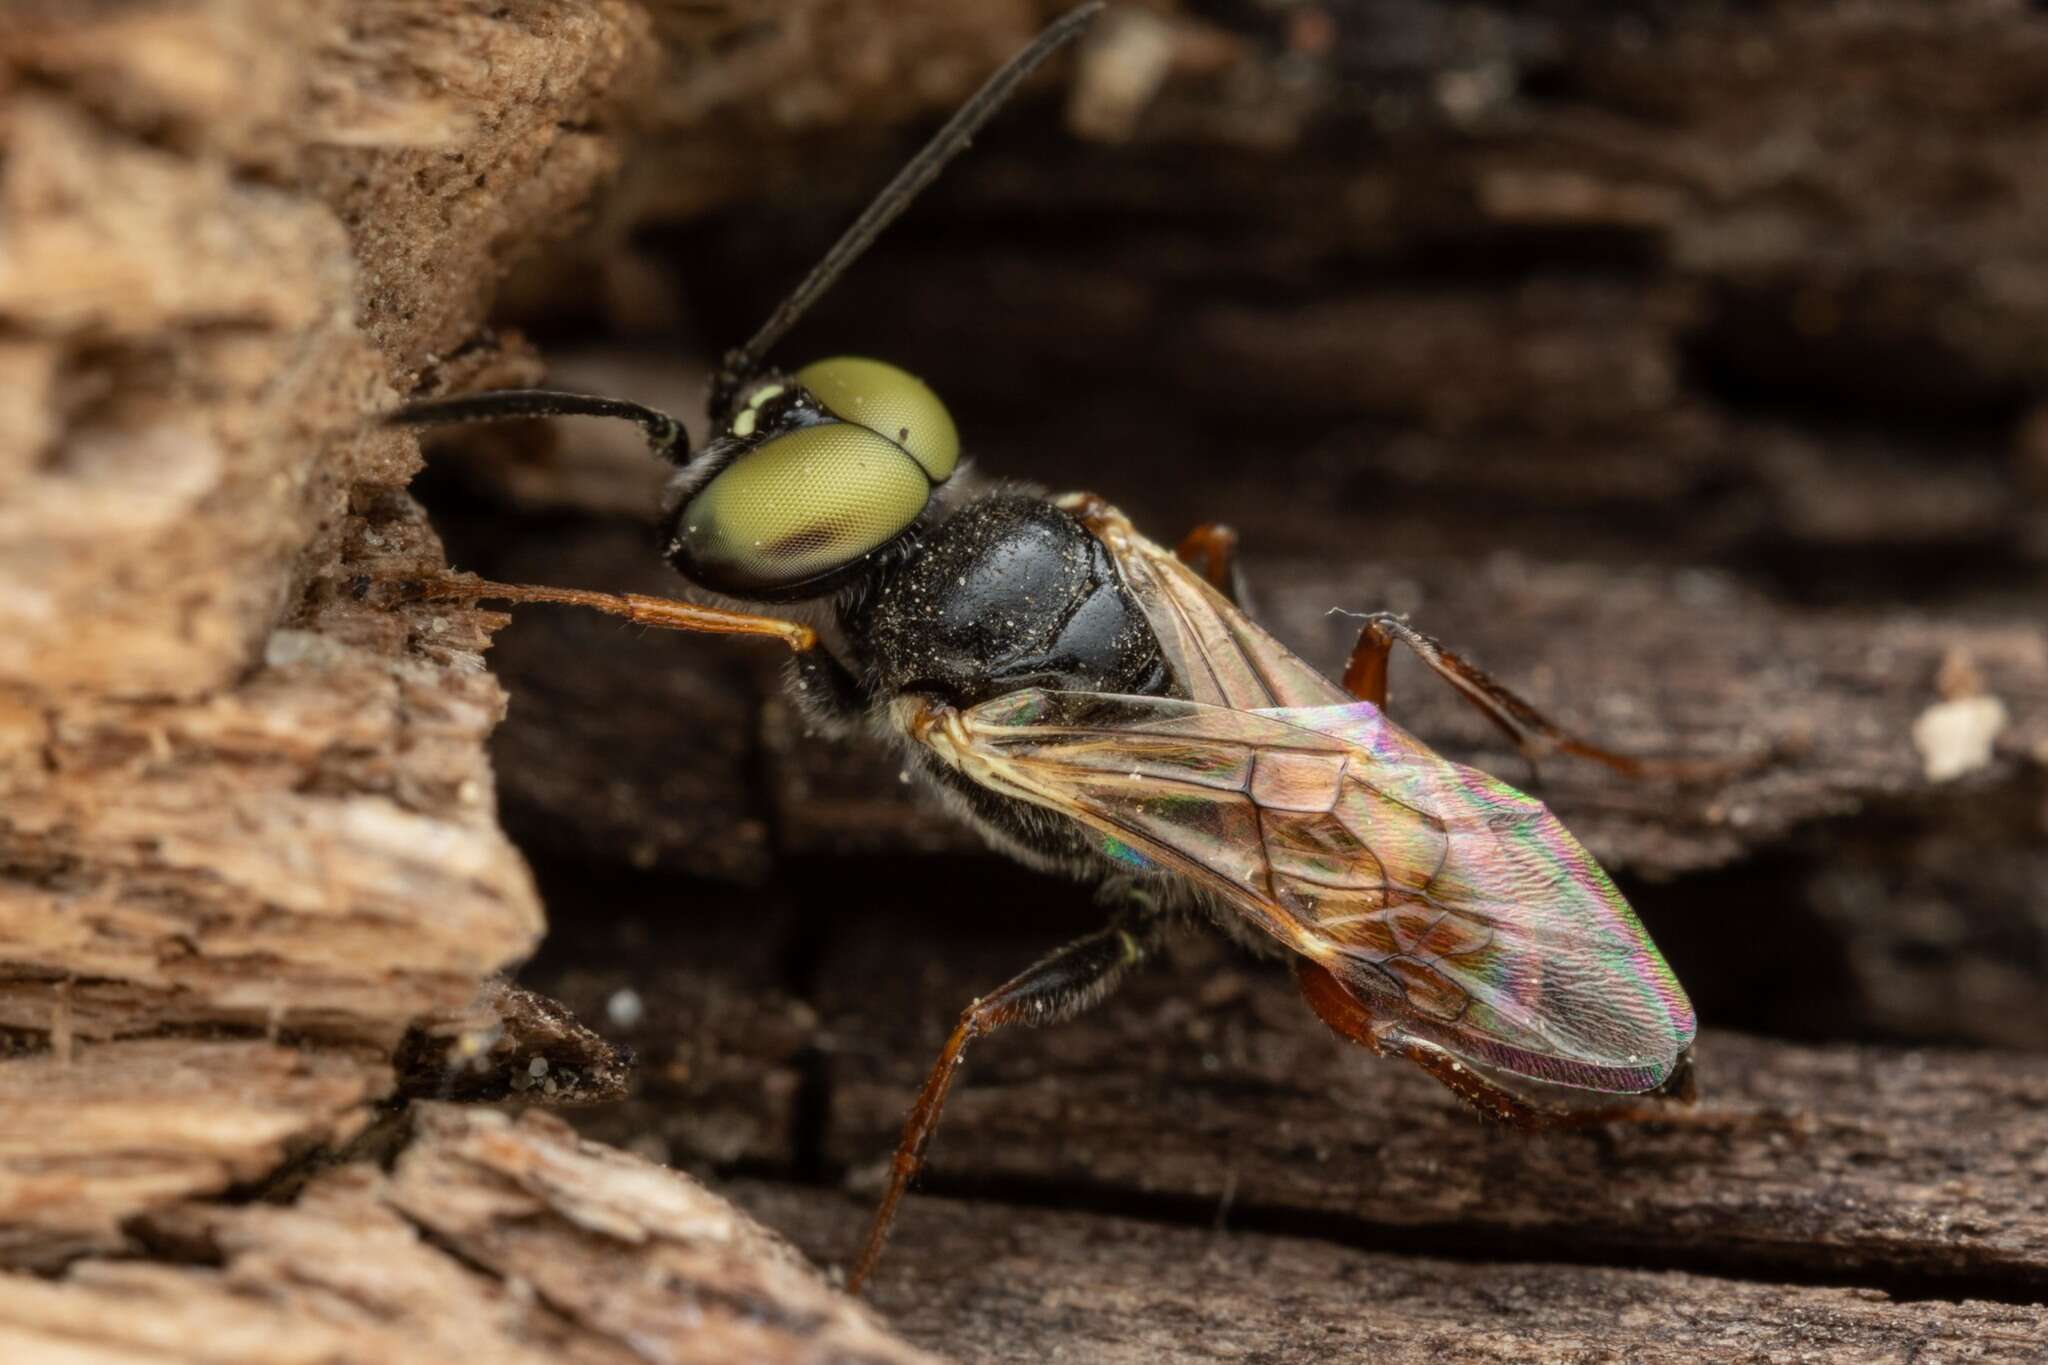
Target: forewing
(1448,900)
(1221,655)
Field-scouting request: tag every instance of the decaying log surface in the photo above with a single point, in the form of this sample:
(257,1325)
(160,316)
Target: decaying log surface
(232,797)
(1207,1083)
(1206,1093)
(997,1283)
(89,1139)
(489,1239)
(229,799)
(264,856)
(1688,285)
(248,837)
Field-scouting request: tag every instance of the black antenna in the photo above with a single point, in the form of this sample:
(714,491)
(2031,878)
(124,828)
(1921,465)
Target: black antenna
(664,433)
(895,197)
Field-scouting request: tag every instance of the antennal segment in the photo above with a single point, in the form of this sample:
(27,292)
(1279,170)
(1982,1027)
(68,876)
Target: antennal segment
(665,435)
(895,197)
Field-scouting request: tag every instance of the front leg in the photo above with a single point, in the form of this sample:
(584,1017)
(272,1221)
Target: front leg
(826,692)
(1057,987)
(662,613)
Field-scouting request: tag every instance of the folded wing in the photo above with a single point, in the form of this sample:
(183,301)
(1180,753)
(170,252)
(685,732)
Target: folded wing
(1452,903)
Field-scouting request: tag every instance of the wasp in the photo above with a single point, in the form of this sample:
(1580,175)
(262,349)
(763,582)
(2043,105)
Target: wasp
(1100,706)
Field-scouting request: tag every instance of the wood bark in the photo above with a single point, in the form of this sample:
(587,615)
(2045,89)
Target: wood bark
(1139,1290)
(252,883)
(1206,1083)
(488,1238)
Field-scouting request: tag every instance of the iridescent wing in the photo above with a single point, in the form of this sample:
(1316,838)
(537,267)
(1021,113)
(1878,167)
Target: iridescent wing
(1457,907)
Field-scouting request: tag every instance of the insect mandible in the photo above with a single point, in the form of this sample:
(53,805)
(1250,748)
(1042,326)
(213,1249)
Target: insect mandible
(1099,706)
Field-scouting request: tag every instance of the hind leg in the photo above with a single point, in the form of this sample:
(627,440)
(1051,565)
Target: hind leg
(1211,551)
(1531,732)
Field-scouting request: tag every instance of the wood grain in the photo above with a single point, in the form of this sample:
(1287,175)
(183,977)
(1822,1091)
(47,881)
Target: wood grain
(992,1282)
(90,1140)
(1211,1083)
(490,1239)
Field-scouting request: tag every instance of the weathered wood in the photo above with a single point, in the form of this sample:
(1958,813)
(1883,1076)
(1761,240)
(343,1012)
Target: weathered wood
(188,368)
(89,1140)
(305,821)
(1207,1081)
(994,1282)
(235,801)
(490,1239)
(1212,1082)
(697,1278)
(209,818)
(1690,285)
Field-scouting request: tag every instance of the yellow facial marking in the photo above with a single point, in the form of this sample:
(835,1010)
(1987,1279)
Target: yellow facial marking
(747,418)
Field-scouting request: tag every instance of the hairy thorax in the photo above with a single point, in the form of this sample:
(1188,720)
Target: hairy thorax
(1009,593)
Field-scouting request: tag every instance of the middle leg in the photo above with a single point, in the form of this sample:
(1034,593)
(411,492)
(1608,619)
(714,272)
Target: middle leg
(1211,551)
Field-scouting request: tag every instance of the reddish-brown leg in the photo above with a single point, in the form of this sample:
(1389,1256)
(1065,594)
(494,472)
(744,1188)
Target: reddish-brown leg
(662,612)
(1055,988)
(1211,551)
(1365,677)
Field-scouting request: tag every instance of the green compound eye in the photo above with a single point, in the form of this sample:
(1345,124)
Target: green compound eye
(891,402)
(800,506)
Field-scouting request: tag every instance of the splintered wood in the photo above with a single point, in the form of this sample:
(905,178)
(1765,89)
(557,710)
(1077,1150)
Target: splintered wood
(233,798)
(489,1239)
(231,794)
(252,884)
(267,856)
(88,1141)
